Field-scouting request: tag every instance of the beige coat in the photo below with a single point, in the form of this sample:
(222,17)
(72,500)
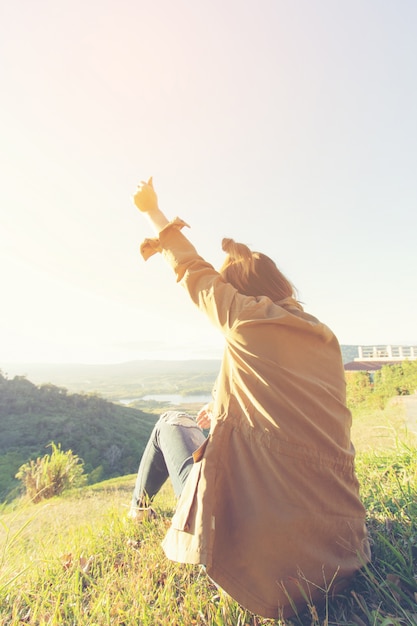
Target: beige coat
(271,506)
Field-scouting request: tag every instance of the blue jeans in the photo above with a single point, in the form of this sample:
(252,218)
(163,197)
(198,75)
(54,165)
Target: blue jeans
(169,452)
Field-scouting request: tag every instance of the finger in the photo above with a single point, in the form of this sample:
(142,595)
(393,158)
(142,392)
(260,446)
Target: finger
(150,182)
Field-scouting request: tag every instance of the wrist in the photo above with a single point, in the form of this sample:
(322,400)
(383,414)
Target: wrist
(157,219)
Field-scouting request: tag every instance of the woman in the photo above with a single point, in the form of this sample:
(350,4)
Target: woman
(270,503)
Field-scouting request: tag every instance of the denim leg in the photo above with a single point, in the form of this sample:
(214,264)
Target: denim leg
(152,472)
(179,438)
(168,453)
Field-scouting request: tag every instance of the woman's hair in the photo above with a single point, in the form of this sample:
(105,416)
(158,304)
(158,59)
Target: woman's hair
(254,273)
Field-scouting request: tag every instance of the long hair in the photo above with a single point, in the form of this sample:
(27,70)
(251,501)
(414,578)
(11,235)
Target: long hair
(255,274)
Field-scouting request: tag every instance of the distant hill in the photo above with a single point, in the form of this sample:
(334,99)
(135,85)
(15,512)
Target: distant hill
(124,380)
(109,438)
(134,378)
(349,353)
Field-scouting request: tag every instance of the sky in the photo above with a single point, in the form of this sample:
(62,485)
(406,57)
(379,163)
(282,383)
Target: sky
(288,125)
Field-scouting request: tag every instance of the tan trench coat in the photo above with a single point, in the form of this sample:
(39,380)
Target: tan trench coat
(271,506)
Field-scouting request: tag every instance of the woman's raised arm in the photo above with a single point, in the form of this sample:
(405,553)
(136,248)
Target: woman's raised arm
(146,200)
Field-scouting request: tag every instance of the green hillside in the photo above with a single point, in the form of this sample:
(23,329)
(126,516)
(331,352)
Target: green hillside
(109,438)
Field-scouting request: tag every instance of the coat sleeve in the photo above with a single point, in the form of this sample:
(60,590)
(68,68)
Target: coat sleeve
(218,299)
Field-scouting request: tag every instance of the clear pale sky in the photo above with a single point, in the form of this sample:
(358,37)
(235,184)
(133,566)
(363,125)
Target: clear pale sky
(288,125)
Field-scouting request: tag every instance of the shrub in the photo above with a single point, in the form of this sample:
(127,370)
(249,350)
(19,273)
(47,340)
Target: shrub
(358,388)
(51,475)
(377,389)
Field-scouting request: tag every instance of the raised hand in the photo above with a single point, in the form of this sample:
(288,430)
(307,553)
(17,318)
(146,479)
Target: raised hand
(145,197)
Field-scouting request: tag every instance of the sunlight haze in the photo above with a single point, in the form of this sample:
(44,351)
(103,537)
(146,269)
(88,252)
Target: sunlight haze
(289,126)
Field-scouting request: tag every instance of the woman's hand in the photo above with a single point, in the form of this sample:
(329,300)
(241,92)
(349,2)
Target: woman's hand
(145,197)
(204,417)
(146,201)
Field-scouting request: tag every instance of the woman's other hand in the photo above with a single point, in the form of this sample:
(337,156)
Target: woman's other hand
(204,417)
(145,197)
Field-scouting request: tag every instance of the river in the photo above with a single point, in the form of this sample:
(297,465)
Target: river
(174,399)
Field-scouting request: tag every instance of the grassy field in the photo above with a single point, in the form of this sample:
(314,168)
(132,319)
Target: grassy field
(78,560)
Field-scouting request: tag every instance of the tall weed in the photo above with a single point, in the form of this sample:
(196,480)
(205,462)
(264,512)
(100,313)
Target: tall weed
(50,475)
